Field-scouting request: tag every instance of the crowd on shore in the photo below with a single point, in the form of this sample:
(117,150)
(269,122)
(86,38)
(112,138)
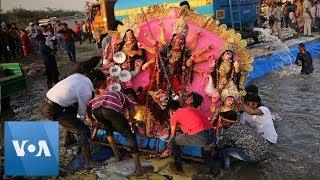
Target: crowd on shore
(302,16)
(17,42)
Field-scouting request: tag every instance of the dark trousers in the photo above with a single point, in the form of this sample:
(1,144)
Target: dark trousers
(79,37)
(52,75)
(71,50)
(203,139)
(87,35)
(4,54)
(317,20)
(116,121)
(307,68)
(67,117)
(237,153)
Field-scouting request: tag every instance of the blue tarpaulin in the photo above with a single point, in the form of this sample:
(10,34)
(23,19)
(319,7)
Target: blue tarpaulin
(267,64)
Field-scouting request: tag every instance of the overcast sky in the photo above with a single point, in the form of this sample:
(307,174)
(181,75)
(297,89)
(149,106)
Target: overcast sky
(39,4)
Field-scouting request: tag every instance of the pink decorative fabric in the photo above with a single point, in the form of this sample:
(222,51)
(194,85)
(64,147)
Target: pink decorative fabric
(206,38)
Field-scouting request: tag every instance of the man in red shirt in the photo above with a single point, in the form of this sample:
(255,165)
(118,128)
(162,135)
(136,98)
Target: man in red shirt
(78,31)
(196,131)
(68,38)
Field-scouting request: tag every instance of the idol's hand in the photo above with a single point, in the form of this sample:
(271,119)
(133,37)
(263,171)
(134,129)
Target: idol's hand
(141,46)
(146,35)
(211,47)
(145,66)
(132,53)
(194,56)
(161,24)
(199,34)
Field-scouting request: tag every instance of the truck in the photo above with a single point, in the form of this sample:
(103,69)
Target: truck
(236,14)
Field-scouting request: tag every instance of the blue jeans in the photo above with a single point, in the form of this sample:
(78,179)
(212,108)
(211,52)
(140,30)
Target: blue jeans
(71,50)
(237,153)
(201,139)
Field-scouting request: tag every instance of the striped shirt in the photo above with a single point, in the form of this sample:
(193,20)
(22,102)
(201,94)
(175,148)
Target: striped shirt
(114,100)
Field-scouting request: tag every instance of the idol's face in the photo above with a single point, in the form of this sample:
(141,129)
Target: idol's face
(229,101)
(177,41)
(129,35)
(228,55)
(138,63)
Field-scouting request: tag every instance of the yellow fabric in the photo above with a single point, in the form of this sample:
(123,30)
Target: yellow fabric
(159,164)
(299,7)
(82,177)
(140,113)
(163,166)
(188,172)
(149,176)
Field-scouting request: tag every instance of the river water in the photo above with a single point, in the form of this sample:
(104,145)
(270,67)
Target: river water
(297,99)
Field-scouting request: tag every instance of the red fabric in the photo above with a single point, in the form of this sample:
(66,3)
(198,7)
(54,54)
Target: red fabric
(143,96)
(68,35)
(190,120)
(176,85)
(77,28)
(26,44)
(51,30)
(115,100)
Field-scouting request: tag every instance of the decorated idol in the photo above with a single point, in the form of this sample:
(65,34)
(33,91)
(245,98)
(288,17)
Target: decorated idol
(171,52)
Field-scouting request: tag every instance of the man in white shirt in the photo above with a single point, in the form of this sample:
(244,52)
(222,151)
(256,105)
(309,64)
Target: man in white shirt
(259,117)
(70,98)
(307,17)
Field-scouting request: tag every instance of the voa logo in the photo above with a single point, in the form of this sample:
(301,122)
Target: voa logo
(31,153)
(42,147)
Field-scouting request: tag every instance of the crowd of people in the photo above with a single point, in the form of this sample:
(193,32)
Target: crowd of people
(302,16)
(45,39)
(14,42)
(17,42)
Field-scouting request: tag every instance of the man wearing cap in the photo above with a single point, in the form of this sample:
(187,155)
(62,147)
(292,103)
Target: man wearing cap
(259,117)
(69,99)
